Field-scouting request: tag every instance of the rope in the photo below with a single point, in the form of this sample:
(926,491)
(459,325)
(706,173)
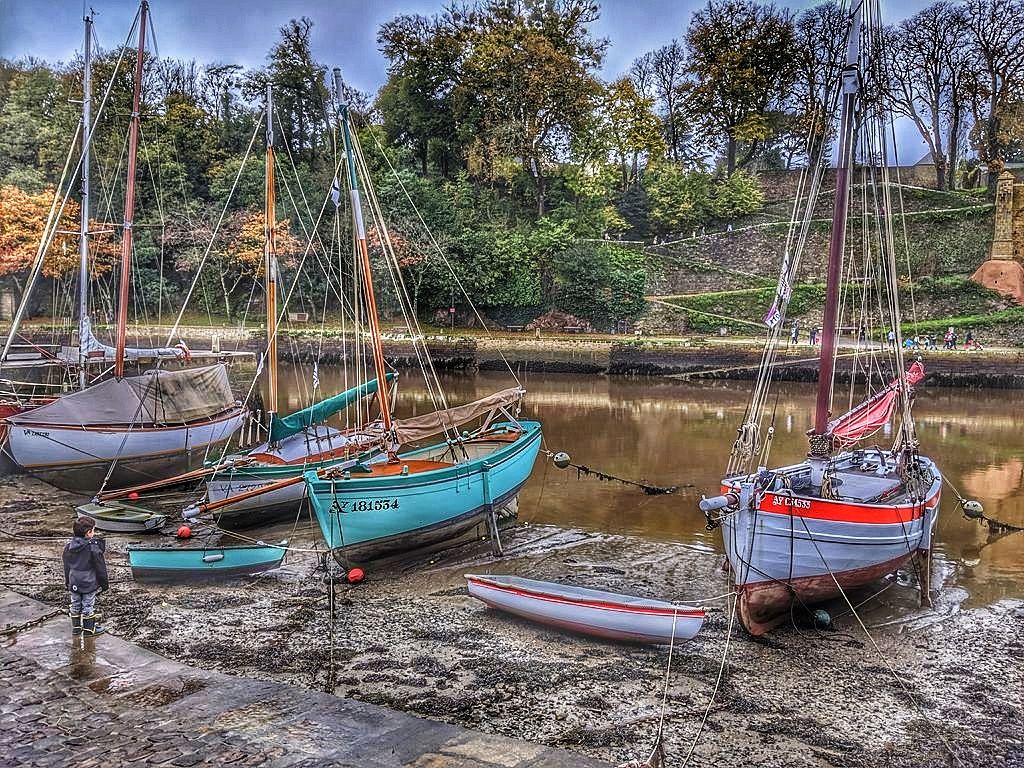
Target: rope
(993,524)
(650,490)
(878,650)
(718,683)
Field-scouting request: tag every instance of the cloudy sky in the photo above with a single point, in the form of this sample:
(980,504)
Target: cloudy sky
(344,35)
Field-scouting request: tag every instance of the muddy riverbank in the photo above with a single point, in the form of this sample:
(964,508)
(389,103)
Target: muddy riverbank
(698,358)
(410,638)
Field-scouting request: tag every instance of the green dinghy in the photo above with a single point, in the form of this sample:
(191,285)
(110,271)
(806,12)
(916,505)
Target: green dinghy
(118,517)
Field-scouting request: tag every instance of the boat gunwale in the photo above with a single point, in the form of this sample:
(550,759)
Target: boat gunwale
(666,609)
(531,432)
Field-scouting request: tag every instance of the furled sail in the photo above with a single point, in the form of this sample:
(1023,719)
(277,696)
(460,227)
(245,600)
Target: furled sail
(874,412)
(91,347)
(292,424)
(420,427)
(160,398)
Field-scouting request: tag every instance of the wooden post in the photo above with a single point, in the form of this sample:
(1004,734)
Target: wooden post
(492,514)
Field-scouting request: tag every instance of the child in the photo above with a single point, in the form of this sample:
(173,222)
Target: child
(85,575)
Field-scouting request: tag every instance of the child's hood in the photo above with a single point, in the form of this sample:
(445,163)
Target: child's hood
(80,542)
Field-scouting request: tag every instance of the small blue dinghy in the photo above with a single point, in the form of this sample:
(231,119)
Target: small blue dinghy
(177,564)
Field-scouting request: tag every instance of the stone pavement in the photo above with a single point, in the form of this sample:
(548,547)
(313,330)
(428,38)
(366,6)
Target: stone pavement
(106,702)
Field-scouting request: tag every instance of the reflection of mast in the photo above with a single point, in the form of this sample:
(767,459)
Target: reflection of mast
(83,237)
(827,364)
(364,255)
(270,261)
(129,199)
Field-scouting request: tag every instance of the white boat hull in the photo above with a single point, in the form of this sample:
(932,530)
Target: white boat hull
(79,458)
(589,611)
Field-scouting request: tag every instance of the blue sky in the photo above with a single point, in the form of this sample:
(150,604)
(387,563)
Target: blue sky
(344,35)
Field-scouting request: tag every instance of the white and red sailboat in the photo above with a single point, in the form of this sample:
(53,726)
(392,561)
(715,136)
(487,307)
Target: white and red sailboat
(127,429)
(844,516)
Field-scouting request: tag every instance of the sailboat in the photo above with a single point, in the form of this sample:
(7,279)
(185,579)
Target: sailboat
(845,515)
(400,500)
(125,429)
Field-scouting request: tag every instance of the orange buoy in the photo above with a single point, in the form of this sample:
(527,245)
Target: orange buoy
(184,532)
(355,575)
(133,495)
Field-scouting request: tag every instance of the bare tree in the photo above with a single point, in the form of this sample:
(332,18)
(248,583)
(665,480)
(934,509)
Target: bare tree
(820,45)
(668,65)
(920,82)
(997,29)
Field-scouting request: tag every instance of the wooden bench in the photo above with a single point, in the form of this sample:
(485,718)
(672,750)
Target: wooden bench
(515,328)
(573,329)
(298,317)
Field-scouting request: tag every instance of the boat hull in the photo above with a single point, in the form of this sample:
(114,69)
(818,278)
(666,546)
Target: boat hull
(791,552)
(182,564)
(366,516)
(78,458)
(606,615)
(118,517)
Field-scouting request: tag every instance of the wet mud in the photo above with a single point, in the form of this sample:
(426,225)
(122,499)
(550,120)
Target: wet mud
(942,680)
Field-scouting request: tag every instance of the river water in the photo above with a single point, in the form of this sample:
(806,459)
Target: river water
(670,432)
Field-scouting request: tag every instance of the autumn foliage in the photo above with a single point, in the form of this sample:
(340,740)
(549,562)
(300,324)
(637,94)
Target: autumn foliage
(22,221)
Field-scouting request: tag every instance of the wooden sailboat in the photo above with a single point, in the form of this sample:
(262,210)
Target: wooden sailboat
(402,500)
(128,429)
(844,516)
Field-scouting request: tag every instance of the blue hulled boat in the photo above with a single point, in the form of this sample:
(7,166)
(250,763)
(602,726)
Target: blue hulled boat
(425,495)
(201,563)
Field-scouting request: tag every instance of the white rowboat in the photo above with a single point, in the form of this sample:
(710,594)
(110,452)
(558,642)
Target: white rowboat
(594,612)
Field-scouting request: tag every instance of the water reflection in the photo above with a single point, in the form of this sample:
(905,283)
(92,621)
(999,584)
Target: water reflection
(670,432)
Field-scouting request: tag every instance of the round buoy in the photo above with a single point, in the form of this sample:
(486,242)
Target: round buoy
(972,508)
(822,619)
(355,575)
(562,460)
(184,532)
(133,495)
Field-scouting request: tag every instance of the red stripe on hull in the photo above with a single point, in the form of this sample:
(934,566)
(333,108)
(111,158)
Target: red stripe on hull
(839,511)
(764,605)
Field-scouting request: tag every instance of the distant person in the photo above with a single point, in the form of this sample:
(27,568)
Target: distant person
(948,337)
(814,336)
(891,337)
(85,575)
(794,333)
(970,342)
(862,335)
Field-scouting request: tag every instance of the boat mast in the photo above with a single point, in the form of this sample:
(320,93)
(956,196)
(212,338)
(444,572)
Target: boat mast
(129,198)
(270,260)
(83,236)
(364,255)
(819,446)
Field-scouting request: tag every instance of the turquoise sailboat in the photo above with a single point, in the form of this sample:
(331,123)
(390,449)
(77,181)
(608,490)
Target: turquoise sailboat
(402,500)
(201,563)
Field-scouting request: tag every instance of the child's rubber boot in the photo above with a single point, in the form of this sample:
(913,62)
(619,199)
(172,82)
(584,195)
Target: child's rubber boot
(90,627)
(76,623)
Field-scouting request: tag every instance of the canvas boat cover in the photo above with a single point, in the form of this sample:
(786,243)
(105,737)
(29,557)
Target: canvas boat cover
(420,427)
(159,398)
(282,427)
(874,412)
(92,347)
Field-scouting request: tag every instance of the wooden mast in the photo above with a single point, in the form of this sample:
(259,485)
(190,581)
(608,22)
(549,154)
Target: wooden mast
(364,256)
(826,367)
(270,262)
(129,198)
(83,235)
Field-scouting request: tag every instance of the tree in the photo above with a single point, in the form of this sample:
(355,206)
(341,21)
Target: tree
(820,47)
(741,61)
(528,82)
(633,128)
(997,29)
(668,70)
(300,95)
(920,53)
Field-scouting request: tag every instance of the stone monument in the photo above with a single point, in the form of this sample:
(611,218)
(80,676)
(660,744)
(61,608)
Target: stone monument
(1004,269)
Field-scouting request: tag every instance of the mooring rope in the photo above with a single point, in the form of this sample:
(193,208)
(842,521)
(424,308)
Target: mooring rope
(582,469)
(974,511)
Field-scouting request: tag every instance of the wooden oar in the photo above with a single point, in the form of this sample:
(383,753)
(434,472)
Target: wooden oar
(195,474)
(211,506)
